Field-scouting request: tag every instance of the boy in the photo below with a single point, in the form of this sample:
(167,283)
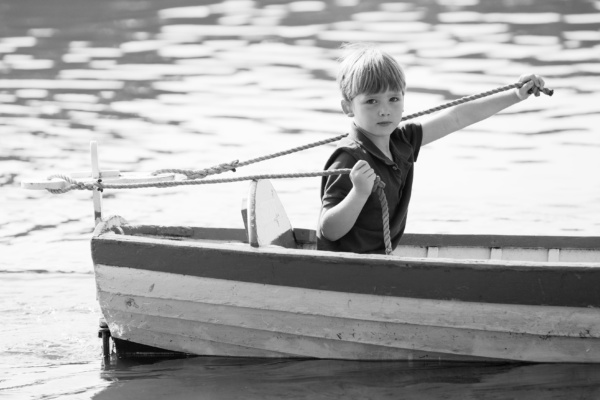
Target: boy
(373,85)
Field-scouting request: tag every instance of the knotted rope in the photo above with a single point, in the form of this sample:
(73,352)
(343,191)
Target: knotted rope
(74,184)
(190,182)
(378,187)
(196,177)
(231,166)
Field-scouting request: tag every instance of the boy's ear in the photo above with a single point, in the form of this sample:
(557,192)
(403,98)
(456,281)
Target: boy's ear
(347,108)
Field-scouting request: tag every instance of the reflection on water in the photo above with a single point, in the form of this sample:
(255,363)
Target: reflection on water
(222,378)
(190,84)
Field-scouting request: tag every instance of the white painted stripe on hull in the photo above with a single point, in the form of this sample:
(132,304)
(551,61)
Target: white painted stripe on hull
(508,318)
(211,339)
(281,331)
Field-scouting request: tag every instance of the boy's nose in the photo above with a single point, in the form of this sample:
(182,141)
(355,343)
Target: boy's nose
(383,112)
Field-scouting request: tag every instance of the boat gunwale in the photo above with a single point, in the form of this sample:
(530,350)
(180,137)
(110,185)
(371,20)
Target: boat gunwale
(328,257)
(305,236)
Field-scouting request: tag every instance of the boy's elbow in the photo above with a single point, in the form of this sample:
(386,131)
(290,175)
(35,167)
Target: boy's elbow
(331,237)
(329,231)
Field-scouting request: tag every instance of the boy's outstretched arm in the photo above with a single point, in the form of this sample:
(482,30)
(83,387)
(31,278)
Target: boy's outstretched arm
(463,115)
(338,220)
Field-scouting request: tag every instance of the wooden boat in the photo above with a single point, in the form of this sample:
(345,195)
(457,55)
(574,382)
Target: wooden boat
(264,291)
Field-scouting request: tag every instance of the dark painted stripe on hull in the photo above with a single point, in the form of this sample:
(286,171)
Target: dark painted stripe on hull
(504,283)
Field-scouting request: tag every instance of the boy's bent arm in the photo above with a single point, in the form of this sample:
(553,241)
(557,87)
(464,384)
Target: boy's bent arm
(338,220)
(469,113)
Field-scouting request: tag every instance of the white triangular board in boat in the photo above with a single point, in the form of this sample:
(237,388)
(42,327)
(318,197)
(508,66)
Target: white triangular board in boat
(268,223)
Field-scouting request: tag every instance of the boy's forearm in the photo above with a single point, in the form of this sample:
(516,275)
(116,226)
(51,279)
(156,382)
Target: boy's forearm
(338,220)
(478,110)
(466,114)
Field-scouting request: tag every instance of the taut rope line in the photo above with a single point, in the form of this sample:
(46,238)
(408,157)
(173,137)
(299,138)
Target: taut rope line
(231,166)
(195,177)
(101,185)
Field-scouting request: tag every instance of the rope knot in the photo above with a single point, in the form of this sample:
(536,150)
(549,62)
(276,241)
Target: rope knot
(99,186)
(193,174)
(217,169)
(73,184)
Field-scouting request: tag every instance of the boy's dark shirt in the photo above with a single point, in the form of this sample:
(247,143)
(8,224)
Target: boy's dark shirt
(366,236)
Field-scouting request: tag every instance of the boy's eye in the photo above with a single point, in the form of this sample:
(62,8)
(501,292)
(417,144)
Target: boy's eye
(394,99)
(371,101)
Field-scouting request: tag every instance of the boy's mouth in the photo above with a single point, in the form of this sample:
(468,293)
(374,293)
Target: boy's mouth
(384,123)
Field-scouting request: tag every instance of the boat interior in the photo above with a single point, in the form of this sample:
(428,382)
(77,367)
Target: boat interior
(266,225)
(561,249)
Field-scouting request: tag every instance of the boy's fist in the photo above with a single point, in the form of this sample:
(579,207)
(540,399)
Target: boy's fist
(534,84)
(363,177)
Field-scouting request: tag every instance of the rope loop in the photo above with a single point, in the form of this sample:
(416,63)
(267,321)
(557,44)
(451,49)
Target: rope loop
(74,184)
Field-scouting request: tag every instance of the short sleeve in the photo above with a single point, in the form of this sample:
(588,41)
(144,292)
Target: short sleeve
(337,187)
(412,133)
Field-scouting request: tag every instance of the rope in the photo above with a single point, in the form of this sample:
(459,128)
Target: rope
(293,150)
(343,171)
(196,177)
(231,166)
(385,214)
(466,99)
(200,173)
(74,185)
(99,185)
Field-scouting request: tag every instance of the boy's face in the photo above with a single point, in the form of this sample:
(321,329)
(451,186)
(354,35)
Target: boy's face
(379,114)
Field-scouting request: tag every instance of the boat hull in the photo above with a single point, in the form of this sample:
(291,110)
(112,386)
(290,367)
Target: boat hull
(228,299)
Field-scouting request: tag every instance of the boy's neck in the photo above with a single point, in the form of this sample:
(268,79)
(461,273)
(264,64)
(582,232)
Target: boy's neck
(381,142)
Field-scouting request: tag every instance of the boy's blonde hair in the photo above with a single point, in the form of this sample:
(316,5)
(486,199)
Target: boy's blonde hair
(365,69)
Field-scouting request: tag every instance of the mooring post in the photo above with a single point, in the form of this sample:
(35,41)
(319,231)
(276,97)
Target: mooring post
(104,334)
(97,192)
